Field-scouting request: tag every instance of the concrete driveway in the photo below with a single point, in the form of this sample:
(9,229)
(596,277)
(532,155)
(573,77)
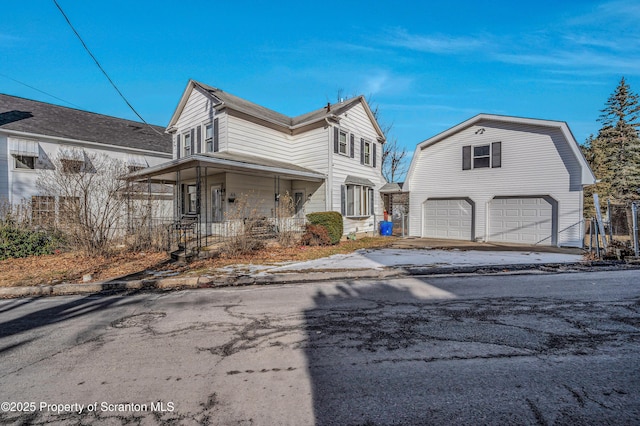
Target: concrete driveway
(432,253)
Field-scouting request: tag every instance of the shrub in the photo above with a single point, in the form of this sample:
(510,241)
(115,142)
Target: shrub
(332,221)
(315,235)
(17,242)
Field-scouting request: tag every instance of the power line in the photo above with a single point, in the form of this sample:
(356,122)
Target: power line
(41,91)
(102,69)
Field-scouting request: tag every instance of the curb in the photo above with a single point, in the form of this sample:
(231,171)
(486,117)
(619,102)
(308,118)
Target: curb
(204,281)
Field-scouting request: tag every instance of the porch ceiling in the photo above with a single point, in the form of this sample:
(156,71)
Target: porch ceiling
(215,163)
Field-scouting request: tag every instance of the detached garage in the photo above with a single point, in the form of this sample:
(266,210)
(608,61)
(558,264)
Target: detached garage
(500,179)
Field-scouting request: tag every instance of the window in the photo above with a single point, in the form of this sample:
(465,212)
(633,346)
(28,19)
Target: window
(68,208)
(25,162)
(186,144)
(367,153)
(342,145)
(191,198)
(71,166)
(357,200)
(208,137)
(43,210)
(482,156)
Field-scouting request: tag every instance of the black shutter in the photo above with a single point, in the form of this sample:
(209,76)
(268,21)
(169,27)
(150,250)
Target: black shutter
(466,157)
(496,154)
(361,151)
(352,145)
(374,154)
(193,142)
(177,146)
(216,141)
(343,200)
(336,136)
(199,139)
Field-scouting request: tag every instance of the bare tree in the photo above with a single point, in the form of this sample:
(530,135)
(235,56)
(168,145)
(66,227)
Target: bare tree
(91,204)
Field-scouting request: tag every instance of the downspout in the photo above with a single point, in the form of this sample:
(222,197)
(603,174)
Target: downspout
(328,203)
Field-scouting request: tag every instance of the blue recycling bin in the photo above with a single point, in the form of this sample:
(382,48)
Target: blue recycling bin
(386,228)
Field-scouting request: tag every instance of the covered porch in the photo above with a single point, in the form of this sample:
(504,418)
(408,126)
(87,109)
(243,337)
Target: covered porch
(217,195)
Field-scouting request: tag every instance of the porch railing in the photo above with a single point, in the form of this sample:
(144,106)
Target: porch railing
(189,235)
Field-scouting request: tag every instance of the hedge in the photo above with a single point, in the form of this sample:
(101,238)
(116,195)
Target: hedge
(332,221)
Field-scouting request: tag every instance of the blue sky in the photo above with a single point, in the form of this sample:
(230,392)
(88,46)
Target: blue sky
(427,65)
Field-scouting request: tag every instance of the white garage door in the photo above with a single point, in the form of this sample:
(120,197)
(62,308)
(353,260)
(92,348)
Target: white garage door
(451,219)
(521,220)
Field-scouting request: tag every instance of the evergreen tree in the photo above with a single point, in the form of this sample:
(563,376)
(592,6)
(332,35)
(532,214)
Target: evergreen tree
(615,153)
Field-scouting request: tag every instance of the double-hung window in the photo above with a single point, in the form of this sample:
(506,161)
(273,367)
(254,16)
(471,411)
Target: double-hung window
(186,144)
(482,156)
(342,143)
(208,137)
(367,152)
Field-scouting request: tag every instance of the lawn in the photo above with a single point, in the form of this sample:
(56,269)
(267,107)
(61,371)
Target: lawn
(71,267)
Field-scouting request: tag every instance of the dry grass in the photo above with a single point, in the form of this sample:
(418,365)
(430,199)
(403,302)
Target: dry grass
(72,266)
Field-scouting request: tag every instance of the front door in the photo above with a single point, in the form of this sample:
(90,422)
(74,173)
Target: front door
(216,203)
(298,202)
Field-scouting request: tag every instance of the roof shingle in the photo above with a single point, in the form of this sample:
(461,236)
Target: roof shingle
(29,116)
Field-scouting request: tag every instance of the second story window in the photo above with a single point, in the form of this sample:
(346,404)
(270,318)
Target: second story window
(367,153)
(342,143)
(186,144)
(208,137)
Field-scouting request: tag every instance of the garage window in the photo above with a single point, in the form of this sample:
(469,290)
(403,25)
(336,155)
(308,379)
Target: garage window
(482,156)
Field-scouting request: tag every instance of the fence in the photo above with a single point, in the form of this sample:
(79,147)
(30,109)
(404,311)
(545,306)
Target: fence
(189,235)
(619,230)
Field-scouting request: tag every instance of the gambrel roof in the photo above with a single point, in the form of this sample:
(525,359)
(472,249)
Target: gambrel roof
(224,100)
(33,118)
(587,176)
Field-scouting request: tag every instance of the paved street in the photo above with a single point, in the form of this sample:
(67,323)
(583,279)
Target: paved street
(513,349)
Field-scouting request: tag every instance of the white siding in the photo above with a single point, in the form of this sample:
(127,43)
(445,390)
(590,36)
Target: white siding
(22,183)
(199,111)
(4,169)
(250,138)
(536,160)
(356,121)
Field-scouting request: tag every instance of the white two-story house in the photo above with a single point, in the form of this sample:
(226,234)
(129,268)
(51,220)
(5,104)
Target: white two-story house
(33,134)
(225,147)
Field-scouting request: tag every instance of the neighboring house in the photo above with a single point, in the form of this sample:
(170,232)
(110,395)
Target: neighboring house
(500,179)
(33,134)
(225,147)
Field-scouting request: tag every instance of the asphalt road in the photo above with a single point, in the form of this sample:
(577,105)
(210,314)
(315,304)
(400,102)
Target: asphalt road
(517,349)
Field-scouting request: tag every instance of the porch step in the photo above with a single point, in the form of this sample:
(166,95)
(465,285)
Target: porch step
(180,256)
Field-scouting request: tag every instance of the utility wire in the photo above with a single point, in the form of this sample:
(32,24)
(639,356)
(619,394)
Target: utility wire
(38,90)
(102,69)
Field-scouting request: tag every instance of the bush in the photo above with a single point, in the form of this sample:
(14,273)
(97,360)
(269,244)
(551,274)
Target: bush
(315,235)
(331,221)
(17,242)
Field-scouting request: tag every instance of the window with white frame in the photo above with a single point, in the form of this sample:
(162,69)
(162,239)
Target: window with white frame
(482,156)
(186,144)
(25,162)
(367,153)
(357,200)
(342,143)
(208,137)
